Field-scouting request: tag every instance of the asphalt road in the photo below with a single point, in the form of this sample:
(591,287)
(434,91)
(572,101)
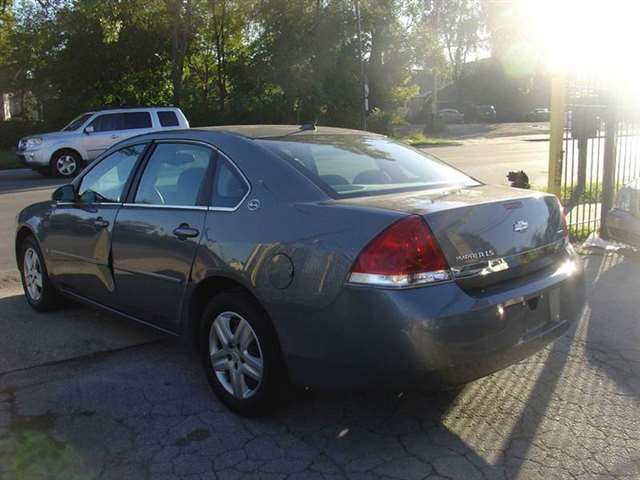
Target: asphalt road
(569,412)
(491,160)
(18,188)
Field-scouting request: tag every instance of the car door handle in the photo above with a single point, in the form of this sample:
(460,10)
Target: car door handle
(185,231)
(101,223)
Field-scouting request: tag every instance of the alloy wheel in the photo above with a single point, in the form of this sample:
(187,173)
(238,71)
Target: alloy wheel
(32,271)
(66,165)
(236,355)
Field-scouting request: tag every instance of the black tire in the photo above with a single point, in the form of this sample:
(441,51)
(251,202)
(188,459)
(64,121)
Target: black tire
(65,164)
(269,389)
(49,298)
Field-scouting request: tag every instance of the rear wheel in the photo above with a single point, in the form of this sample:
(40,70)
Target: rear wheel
(240,353)
(66,164)
(38,289)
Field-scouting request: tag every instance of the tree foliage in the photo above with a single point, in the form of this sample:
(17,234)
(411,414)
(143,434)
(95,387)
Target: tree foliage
(232,61)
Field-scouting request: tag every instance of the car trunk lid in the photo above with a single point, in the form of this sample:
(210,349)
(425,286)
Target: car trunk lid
(485,230)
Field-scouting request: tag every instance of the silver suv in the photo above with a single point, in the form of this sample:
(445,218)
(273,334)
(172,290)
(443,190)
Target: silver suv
(65,152)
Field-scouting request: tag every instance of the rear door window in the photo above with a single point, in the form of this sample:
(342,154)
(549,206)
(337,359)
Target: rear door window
(168,119)
(108,122)
(175,174)
(133,120)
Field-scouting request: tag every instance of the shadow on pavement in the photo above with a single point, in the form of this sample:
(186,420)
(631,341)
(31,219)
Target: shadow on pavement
(613,343)
(30,338)
(147,412)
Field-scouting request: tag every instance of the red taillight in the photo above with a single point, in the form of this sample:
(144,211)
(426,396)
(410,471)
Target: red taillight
(565,226)
(404,254)
(563,216)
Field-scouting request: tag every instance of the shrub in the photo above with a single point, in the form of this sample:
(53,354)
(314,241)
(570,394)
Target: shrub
(12,130)
(381,121)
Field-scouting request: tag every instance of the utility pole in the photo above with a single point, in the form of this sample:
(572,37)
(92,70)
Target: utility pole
(557,120)
(608,164)
(436,27)
(363,73)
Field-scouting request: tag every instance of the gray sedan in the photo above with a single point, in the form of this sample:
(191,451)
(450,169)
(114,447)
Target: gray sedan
(313,255)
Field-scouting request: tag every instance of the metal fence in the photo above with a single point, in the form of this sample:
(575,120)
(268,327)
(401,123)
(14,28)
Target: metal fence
(601,146)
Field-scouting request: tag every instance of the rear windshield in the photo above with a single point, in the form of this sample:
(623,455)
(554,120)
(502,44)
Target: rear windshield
(359,165)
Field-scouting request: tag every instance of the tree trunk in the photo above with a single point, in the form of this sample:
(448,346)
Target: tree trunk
(220,39)
(181,14)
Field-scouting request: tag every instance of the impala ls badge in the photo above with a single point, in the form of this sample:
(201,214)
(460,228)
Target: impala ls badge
(520,226)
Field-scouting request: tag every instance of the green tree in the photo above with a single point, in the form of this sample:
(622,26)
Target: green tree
(227,61)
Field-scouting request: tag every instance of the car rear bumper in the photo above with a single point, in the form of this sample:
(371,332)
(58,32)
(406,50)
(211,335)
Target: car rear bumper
(431,337)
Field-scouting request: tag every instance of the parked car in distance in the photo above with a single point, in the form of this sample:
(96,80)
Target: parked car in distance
(450,115)
(64,153)
(539,115)
(623,220)
(486,113)
(321,256)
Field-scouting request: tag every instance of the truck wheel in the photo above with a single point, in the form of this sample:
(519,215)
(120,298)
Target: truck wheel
(66,164)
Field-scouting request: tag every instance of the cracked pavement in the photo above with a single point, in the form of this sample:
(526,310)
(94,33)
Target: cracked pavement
(146,412)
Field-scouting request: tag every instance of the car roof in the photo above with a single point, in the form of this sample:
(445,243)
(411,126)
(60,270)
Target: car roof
(277,131)
(130,109)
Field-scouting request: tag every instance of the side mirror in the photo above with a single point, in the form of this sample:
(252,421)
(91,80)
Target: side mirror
(89,129)
(65,193)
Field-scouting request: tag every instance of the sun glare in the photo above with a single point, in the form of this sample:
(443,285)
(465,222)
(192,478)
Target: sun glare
(587,37)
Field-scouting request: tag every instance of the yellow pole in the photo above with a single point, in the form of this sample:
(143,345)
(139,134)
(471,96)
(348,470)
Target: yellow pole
(558,93)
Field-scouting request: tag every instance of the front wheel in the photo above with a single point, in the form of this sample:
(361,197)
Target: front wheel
(240,353)
(38,289)
(66,164)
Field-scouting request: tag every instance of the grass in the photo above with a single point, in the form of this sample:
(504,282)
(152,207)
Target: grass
(592,192)
(419,140)
(579,233)
(8,160)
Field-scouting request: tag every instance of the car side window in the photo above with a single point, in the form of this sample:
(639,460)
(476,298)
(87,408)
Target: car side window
(229,188)
(133,120)
(168,119)
(107,122)
(105,182)
(174,174)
